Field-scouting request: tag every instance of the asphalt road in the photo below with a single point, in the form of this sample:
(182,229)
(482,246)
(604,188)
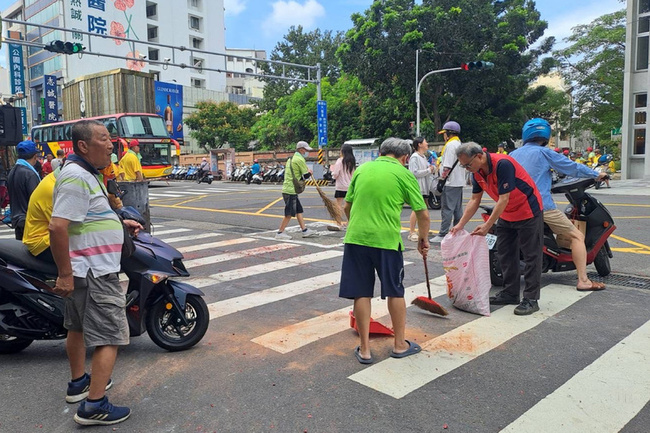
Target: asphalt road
(278,356)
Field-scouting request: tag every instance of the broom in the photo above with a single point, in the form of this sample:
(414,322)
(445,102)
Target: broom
(429,304)
(332,208)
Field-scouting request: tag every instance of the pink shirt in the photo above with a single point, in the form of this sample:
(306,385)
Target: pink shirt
(342,176)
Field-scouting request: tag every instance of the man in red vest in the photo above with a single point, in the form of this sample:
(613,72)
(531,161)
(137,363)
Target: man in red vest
(521,225)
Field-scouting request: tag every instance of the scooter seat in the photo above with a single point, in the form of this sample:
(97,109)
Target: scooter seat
(16,253)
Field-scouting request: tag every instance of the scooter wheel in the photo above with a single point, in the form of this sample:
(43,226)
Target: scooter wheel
(163,332)
(209,181)
(496,275)
(9,344)
(601,262)
(433,202)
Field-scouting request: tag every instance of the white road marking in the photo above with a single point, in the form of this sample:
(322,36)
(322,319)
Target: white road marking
(603,397)
(189,238)
(295,241)
(210,260)
(164,195)
(199,247)
(399,377)
(171,231)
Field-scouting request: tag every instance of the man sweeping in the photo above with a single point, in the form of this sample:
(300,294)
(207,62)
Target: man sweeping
(373,242)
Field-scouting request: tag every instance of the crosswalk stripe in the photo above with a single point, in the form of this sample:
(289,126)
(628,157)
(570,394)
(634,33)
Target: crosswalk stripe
(171,231)
(164,195)
(191,193)
(210,260)
(263,268)
(8,236)
(235,241)
(188,238)
(295,336)
(399,377)
(274,294)
(603,397)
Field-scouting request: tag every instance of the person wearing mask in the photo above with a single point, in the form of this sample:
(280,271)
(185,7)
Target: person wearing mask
(130,167)
(342,172)
(423,172)
(21,182)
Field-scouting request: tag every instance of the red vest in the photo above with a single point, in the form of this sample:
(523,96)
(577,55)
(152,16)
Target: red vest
(525,201)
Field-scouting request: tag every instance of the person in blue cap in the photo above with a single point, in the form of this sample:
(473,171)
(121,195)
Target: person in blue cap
(21,182)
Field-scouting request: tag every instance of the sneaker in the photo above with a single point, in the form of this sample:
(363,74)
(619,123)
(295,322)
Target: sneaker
(413,237)
(78,390)
(527,306)
(504,298)
(100,413)
(436,239)
(309,233)
(282,235)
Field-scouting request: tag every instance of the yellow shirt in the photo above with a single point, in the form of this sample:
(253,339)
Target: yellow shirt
(502,152)
(129,165)
(39,213)
(612,166)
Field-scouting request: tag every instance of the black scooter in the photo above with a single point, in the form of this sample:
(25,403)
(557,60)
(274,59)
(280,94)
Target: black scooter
(205,176)
(583,207)
(174,314)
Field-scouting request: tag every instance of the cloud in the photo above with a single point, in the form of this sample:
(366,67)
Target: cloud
(293,13)
(560,25)
(234,7)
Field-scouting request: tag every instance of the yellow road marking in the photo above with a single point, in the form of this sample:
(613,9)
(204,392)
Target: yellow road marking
(631,250)
(628,241)
(192,199)
(268,206)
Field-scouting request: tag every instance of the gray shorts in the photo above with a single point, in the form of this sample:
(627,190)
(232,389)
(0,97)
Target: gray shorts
(96,307)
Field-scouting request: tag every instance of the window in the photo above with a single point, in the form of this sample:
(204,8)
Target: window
(197,43)
(152,33)
(639,142)
(199,64)
(195,23)
(642,52)
(640,120)
(644,24)
(196,4)
(644,6)
(154,54)
(641,100)
(198,83)
(152,10)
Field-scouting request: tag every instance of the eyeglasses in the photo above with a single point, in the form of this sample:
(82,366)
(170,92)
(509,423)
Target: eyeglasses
(469,164)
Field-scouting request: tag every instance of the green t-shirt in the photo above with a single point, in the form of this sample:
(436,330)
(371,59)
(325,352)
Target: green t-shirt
(378,191)
(298,164)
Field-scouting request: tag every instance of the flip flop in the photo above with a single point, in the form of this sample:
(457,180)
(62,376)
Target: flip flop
(595,287)
(412,350)
(357,353)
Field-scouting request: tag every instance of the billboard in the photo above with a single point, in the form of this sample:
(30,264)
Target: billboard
(169,105)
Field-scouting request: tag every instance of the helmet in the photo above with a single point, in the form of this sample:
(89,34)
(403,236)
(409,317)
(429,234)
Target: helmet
(566,151)
(204,159)
(535,128)
(589,149)
(450,126)
(255,160)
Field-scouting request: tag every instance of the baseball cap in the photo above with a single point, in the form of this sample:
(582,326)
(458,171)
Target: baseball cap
(450,126)
(134,143)
(303,145)
(26,148)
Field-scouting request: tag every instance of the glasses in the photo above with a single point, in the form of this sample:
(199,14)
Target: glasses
(469,164)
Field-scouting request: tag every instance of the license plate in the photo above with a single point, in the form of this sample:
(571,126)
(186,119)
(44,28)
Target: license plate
(491,240)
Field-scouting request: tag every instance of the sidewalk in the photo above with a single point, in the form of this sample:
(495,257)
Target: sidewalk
(636,187)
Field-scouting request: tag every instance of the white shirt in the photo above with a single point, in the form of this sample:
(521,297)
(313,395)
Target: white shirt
(457,177)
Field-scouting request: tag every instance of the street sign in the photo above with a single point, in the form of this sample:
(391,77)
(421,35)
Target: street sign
(321,109)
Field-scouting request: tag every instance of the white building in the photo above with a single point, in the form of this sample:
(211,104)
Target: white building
(239,61)
(635,146)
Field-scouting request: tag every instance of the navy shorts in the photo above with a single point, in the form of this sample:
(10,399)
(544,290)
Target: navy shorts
(340,194)
(358,272)
(292,205)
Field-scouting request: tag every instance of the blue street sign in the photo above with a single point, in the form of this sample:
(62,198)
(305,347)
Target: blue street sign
(321,109)
(23,118)
(49,93)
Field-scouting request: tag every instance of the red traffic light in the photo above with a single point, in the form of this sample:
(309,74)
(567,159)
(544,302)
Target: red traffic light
(476,65)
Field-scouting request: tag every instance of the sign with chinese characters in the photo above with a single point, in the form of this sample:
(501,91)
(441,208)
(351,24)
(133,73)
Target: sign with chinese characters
(49,92)
(169,105)
(23,118)
(321,108)
(16,69)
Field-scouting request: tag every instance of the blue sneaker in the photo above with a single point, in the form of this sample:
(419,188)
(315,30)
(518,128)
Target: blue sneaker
(78,390)
(100,413)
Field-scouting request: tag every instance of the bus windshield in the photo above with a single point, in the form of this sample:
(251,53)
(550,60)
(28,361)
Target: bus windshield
(143,126)
(154,154)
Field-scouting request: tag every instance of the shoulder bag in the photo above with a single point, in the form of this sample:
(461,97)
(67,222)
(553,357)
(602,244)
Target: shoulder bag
(298,184)
(442,182)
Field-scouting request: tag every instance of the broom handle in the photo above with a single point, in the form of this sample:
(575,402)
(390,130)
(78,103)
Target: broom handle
(426,275)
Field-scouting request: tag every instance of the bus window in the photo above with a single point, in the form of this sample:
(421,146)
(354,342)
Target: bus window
(36,135)
(139,126)
(59,133)
(111,125)
(67,132)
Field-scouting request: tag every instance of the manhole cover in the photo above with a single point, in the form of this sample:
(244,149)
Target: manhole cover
(622,280)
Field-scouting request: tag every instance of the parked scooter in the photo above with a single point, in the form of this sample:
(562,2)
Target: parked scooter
(192,173)
(582,207)
(180,174)
(174,314)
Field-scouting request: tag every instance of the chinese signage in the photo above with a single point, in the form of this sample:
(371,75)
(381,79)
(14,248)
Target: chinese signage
(51,108)
(169,105)
(23,118)
(16,74)
(321,107)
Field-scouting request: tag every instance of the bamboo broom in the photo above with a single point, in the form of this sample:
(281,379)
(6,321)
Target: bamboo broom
(332,208)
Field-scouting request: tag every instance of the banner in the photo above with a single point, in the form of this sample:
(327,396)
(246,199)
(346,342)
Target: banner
(169,105)
(16,69)
(49,93)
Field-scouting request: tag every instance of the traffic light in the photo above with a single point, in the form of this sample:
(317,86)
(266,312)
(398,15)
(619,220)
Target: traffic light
(64,47)
(471,66)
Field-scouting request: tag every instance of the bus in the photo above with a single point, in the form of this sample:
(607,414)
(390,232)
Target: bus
(156,147)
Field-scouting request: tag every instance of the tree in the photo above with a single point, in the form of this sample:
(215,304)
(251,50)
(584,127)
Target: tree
(593,63)
(214,124)
(380,50)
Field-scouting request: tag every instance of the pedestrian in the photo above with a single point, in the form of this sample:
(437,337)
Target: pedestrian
(86,239)
(21,182)
(501,149)
(130,167)
(423,172)
(520,222)
(342,172)
(452,194)
(295,170)
(204,168)
(47,165)
(37,220)
(373,242)
(538,160)
(56,162)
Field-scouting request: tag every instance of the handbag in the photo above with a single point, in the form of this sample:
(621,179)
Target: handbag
(443,181)
(298,184)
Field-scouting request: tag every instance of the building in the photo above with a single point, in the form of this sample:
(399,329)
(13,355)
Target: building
(8,76)
(239,61)
(189,24)
(635,148)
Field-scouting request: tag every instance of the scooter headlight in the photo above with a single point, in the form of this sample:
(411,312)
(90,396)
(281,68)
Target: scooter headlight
(156,278)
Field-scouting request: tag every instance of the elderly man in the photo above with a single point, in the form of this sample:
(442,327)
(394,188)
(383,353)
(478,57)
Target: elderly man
(86,239)
(373,242)
(130,167)
(519,211)
(21,182)
(56,162)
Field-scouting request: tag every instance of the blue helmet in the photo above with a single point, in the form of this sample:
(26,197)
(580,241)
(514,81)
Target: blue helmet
(535,128)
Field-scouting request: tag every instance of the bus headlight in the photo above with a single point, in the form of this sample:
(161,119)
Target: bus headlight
(168,170)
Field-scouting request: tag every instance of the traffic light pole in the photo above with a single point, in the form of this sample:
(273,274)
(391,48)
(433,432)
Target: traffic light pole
(417,94)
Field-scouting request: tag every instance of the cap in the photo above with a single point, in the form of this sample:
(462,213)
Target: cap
(255,160)
(565,151)
(303,145)
(589,149)
(557,149)
(134,143)
(450,126)
(26,148)
(485,149)
(204,159)
(500,145)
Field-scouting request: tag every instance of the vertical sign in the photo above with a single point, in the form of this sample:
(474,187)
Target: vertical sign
(169,105)
(49,92)
(321,108)
(23,118)
(16,74)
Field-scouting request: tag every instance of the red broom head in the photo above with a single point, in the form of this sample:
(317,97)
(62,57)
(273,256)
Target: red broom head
(429,305)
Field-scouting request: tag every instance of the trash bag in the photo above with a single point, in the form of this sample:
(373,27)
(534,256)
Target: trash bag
(466,262)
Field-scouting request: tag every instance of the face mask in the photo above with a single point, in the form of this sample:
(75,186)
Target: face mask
(306,155)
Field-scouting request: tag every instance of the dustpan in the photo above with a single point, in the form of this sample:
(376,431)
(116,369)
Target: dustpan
(375,327)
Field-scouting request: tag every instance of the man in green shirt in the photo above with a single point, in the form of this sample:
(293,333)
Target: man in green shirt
(296,167)
(373,241)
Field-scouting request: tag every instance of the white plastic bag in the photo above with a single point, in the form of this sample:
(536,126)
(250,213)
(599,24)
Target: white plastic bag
(466,261)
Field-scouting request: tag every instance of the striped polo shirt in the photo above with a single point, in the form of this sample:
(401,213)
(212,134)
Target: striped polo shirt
(95,230)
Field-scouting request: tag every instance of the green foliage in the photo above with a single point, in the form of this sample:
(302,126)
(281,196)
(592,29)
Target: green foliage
(214,124)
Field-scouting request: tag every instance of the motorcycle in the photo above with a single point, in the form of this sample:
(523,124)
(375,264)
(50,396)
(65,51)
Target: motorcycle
(180,174)
(599,225)
(191,173)
(279,176)
(206,177)
(174,314)
(602,166)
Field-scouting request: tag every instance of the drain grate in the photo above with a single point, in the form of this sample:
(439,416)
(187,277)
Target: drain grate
(622,280)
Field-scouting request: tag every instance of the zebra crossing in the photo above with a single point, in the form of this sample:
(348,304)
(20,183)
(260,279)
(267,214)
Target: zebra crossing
(190,191)
(6,232)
